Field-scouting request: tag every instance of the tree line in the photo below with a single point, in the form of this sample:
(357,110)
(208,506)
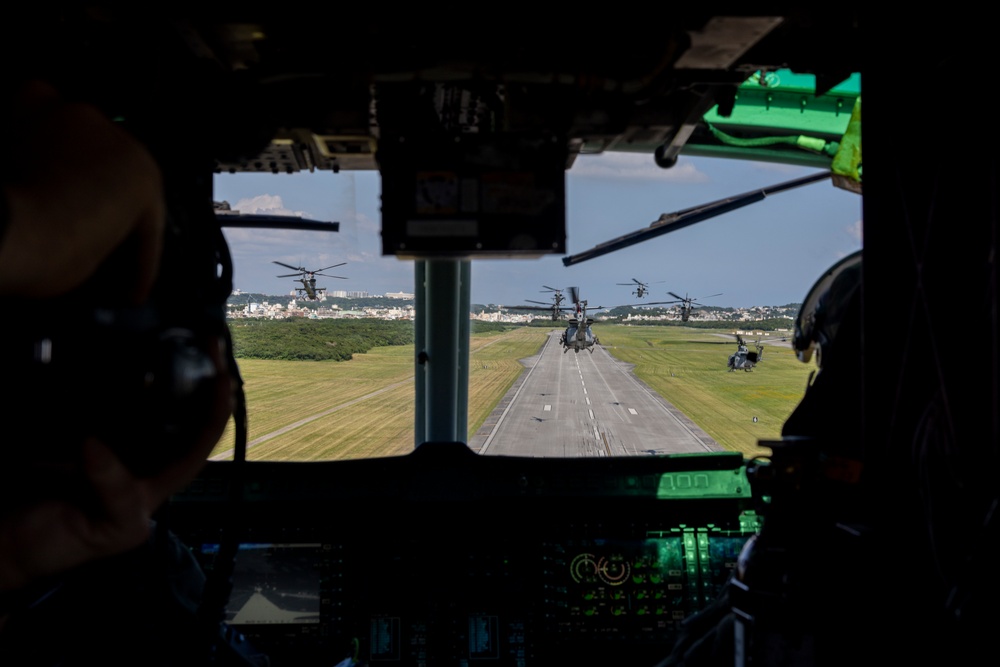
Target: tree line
(305,339)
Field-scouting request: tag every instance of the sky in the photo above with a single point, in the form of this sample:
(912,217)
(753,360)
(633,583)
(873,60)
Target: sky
(769,253)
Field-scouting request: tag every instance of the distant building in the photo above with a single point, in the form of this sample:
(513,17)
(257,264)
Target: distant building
(345,294)
(398,295)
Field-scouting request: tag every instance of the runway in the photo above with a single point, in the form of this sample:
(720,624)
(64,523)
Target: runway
(571,404)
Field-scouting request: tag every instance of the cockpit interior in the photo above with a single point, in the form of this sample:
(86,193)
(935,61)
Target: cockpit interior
(867,535)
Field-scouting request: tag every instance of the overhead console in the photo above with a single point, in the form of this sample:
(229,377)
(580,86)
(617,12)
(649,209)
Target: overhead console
(484,196)
(483,560)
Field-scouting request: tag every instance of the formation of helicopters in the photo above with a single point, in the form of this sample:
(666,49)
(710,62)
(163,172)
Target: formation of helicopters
(579,336)
(308,279)
(688,304)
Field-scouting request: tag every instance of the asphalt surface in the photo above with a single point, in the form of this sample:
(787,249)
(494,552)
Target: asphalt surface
(569,404)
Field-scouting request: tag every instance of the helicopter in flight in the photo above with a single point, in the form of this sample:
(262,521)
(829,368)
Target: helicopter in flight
(556,307)
(641,288)
(308,278)
(688,303)
(743,358)
(578,335)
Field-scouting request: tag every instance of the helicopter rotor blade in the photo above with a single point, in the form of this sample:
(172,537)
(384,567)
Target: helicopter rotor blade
(676,296)
(325,275)
(522,307)
(574,294)
(329,267)
(289,266)
(289,275)
(653,303)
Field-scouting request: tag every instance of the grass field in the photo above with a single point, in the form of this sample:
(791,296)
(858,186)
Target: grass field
(322,410)
(363,407)
(688,368)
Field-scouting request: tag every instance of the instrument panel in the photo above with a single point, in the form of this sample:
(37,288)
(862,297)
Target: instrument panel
(445,557)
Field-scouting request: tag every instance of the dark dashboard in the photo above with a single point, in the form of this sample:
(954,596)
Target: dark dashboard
(447,557)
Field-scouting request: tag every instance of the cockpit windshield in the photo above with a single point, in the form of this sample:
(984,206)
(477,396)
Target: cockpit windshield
(678,343)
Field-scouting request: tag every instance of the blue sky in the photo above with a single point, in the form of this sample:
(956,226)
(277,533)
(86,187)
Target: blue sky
(765,254)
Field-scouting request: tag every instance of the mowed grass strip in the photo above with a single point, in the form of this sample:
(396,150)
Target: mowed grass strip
(362,408)
(688,367)
(376,427)
(282,393)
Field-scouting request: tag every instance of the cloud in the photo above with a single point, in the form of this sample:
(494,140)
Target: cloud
(856,231)
(633,166)
(366,224)
(266,205)
(361,256)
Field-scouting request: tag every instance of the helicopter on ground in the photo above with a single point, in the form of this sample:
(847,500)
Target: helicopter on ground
(641,288)
(308,278)
(743,358)
(689,303)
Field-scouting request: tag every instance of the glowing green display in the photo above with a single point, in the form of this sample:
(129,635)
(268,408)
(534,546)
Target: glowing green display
(704,484)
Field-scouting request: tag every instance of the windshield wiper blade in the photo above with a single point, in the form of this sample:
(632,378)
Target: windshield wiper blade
(669,222)
(264,221)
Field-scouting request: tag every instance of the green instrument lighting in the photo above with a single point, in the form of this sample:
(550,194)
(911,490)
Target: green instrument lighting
(704,484)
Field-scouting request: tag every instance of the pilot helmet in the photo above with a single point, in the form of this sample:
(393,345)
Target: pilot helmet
(824,308)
